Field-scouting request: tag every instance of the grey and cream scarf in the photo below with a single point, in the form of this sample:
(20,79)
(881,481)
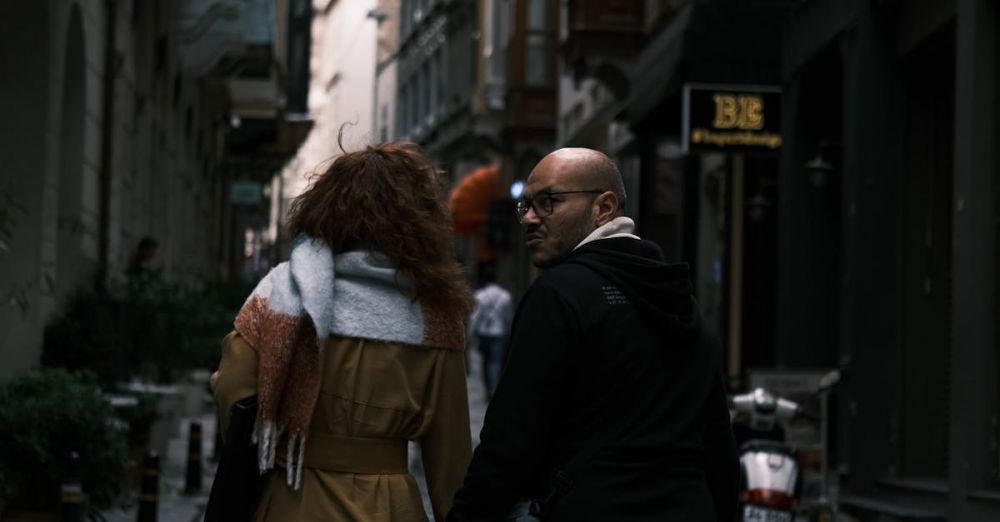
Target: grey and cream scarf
(297,306)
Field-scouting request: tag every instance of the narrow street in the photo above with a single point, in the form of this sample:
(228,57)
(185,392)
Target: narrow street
(825,171)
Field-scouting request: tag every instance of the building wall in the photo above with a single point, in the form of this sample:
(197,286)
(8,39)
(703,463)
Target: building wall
(62,174)
(386,70)
(342,91)
(385,110)
(495,31)
(27,178)
(435,75)
(166,142)
(886,273)
(586,110)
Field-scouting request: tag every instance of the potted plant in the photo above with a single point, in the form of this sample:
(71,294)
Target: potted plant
(46,414)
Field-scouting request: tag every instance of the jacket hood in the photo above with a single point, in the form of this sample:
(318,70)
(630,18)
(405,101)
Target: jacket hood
(663,291)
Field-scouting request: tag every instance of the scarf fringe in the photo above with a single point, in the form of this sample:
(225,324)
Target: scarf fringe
(293,467)
(266,435)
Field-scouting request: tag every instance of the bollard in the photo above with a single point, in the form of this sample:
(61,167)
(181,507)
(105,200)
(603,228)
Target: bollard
(72,505)
(149,491)
(192,482)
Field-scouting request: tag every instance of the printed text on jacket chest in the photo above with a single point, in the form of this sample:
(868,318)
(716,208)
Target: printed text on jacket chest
(614,296)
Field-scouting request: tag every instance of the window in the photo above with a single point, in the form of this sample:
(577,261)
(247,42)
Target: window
(537,61)
(538,58)
(434,86)
(498,57)
(422,94)
(418,11)
(411,108)
(383,125)
(404,19)
(442,75)
(401,113)
(538,15)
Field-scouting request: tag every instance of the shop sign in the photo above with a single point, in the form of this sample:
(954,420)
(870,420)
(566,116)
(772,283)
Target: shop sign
(736,118)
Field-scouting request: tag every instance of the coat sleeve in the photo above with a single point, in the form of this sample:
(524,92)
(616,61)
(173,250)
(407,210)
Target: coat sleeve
(511,453)
(236,377)
(446,444)
(723,461)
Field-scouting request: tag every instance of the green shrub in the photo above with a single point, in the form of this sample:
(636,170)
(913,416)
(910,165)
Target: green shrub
(94,333)
(148,328)
(44,415)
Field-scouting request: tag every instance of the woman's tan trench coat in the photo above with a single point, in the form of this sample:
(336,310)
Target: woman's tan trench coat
(371,390)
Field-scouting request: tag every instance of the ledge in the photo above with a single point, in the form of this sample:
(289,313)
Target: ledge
(990,496)
(917,485)
(905,511)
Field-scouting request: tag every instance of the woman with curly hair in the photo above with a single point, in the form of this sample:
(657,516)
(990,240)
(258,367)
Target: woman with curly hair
(354,347)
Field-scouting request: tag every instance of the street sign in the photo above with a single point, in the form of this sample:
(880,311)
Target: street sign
(731,118)
(245,193)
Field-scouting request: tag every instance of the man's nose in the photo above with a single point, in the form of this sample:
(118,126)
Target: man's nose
(529,217)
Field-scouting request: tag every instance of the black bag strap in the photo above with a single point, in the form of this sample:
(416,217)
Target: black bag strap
(562,482)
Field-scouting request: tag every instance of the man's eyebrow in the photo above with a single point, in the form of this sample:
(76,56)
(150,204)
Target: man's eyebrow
(543,190)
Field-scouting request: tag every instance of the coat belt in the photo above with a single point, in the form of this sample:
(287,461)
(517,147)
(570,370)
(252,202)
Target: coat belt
(354,454)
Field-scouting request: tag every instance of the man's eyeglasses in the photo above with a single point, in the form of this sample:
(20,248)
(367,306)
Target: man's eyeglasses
(542,203)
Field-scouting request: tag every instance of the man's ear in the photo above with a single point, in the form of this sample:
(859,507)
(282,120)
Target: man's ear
(605,208)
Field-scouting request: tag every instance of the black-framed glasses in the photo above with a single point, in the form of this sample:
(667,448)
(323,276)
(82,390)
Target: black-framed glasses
(542,203)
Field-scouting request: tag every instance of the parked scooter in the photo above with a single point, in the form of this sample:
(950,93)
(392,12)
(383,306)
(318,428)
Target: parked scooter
(769,471)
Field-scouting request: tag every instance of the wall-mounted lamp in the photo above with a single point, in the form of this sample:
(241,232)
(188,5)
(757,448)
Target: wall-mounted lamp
(819,171)
(516,189)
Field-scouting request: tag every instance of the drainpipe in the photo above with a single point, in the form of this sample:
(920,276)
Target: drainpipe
(107,140)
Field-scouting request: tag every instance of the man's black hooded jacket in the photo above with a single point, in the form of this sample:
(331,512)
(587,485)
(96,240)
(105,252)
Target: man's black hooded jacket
(609,344)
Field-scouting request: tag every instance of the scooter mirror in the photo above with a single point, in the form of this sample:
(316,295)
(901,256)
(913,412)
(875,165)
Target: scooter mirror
(829,380)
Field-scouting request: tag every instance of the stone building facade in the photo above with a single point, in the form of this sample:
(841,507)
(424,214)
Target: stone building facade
(117,122)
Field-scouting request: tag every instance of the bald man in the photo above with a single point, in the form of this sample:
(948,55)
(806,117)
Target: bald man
(611,406)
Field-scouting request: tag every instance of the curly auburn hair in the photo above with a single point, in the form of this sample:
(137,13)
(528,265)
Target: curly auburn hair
(385,198)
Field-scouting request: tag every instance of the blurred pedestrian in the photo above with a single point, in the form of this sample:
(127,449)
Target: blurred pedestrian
(612,404)
(489,322)
(143,262)
(355,346)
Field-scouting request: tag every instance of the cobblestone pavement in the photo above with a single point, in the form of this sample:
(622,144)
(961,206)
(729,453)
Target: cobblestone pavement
(176,506)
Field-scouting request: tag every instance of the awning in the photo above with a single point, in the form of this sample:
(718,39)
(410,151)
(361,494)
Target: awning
(655,76)
(726,41)
(470,199)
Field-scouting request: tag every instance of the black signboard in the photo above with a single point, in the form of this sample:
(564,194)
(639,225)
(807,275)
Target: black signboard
(731,118)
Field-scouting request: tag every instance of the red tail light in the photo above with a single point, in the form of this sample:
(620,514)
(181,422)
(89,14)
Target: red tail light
(771,498)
